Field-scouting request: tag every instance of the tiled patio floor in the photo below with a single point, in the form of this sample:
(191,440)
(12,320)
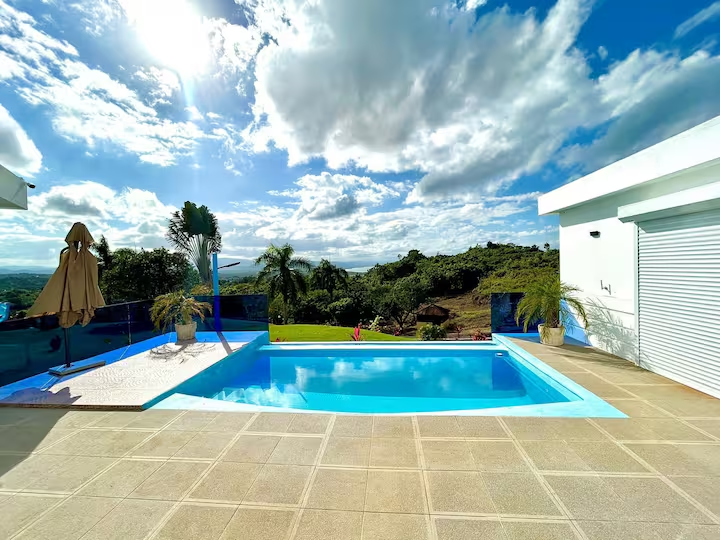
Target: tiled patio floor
(198,475)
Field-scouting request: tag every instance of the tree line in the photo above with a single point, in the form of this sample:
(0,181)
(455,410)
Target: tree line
(299,291)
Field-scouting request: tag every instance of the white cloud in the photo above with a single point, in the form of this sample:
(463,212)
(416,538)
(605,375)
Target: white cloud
(602,52)
(127,218)
(705,15)
(423,86)
(367,230)
(86,104)
(651,96)
(329,196)
(17,151)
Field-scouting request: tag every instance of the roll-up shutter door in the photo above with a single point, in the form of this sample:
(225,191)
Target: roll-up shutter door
(679,298)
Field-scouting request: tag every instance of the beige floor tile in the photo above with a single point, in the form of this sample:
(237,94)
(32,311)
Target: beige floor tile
(458,491)
(394,452)
(395,527)
(598,386)
(624,530)
(519,494)
(154,419)
(31,439)
(347,451)
(309,423)
(227,481)
(352,426)
(650,429)
(538,530)
(230,422)
(164,444)
(259,524)
(64,419)
(635,376)
(296,451)
(191,522)
(71,474)
(129,520)
(439,426)
(170,482)
(637,409)
(447,455)
(99,442)
(279,484)
(338,489)
(710,426)
(393,426)
(705,490)
(680,459)
(118,419)
(19,511)
(623,498)
(272,422)
(554,456)
(484,427)
(464,529)
(329,525)
(18,472)
(700,408)
(651,499)
(499,456)
(70,520)
(664,391)
(205,445)
(395,491)
(586,497)
(252,448)
(581,456)
(192,421)
(121,479)
(569,429)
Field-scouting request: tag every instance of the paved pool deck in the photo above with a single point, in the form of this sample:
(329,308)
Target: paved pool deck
(133,377)
(174,474)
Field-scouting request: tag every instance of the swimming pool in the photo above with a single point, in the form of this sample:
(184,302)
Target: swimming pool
(390,379)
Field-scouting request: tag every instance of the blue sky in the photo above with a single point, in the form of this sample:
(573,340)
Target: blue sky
(353,130)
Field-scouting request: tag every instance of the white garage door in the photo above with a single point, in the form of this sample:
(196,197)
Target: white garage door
(679,298)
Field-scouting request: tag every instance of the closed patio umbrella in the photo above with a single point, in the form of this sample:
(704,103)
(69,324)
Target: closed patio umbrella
(72,291)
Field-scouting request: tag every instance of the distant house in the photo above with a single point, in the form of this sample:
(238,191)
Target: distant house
(433,313)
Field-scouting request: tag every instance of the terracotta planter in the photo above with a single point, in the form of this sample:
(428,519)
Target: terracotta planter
(552,336)
(186,332)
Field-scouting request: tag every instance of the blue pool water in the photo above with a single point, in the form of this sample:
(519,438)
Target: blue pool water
(379,380)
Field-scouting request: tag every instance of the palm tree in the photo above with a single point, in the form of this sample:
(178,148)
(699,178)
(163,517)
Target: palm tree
(284,274)
(328,277)
(195,232)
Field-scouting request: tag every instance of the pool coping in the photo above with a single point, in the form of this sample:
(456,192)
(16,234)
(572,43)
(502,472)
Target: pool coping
(587,404)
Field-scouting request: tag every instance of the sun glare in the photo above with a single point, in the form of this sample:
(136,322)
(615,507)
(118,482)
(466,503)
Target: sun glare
(172,31)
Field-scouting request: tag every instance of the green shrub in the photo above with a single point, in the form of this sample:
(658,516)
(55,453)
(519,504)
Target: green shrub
(432,332)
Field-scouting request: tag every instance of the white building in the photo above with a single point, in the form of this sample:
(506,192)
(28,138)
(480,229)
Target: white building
(13,190)
(641,239)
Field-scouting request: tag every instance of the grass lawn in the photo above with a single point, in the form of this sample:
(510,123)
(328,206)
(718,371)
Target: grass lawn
(320,332)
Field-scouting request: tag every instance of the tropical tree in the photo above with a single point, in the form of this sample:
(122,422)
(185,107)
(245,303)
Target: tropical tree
(104,254)
(283,274)
(328,277)
(194,231)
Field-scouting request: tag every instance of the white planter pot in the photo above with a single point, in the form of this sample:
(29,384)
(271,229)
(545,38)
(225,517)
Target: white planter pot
(186,332)
(552,336)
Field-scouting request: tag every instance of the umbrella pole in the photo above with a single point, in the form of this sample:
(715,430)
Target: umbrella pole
(67,347)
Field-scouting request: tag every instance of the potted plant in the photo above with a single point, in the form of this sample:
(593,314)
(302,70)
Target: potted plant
(179,309)
(552,303)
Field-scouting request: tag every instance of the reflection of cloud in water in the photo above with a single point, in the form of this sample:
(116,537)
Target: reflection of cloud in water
(272,396)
